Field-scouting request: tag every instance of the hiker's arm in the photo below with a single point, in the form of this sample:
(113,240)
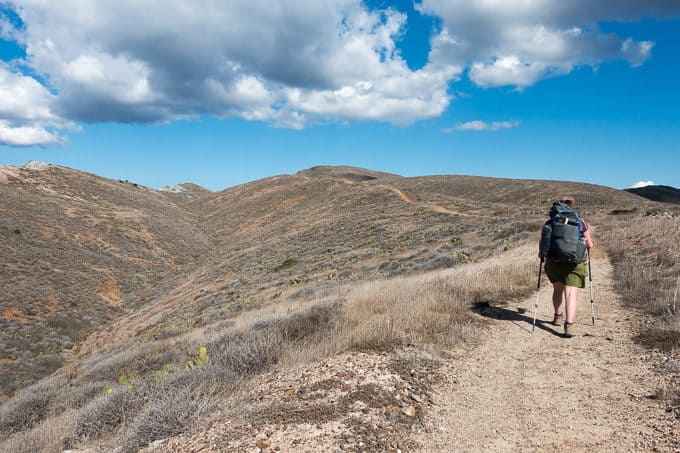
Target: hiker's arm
(588,239)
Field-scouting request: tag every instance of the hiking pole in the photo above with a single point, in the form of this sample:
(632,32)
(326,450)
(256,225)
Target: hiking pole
(590,277)
(538,288)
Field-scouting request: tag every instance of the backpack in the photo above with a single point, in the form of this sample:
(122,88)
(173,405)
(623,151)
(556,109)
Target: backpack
(561,236)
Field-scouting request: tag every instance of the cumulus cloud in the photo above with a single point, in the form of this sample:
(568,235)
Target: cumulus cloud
(640,184)
(287,62)
(519,43)
(26,135)
(26,111)
(478,125)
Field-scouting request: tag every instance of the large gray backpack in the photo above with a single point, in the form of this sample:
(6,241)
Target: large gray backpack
(561,236)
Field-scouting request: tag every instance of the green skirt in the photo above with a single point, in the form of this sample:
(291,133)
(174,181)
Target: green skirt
(567,274)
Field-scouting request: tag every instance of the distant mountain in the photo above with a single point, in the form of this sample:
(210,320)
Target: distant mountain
(664,194)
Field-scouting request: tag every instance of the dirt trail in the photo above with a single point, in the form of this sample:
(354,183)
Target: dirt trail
(405,197)
(540,391)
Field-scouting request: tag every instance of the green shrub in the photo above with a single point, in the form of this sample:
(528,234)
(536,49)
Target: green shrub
(285,264)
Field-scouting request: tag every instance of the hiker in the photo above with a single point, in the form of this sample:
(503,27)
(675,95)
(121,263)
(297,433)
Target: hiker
(567,270)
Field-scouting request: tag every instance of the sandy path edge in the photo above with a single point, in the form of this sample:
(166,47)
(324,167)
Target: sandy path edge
(520,391)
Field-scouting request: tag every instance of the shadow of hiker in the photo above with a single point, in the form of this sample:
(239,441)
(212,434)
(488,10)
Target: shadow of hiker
(516,317)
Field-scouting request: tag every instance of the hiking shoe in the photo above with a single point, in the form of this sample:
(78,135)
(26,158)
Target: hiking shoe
(557,320)
(568,329)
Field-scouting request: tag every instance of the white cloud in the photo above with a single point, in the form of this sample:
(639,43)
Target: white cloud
(507,70)
(23,98)
(289,62)
(26,135)
(478,125)
(640,184)
(415,95)
(519,43)
(26,111)
(636,52)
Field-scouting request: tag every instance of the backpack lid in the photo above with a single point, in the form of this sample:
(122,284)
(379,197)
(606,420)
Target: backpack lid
(564,210)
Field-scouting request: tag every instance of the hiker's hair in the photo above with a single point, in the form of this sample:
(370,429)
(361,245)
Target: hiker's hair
(568,201)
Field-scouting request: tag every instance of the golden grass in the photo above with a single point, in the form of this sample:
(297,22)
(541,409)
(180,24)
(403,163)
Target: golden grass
(645,253)
(434,308)
(430,309)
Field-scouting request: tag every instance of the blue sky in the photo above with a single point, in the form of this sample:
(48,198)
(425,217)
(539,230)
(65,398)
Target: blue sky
(438,87)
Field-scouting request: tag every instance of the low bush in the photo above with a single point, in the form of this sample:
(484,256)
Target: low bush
(315,320)
(46,437)
(78,395)
(104,415)
(178,404)
(285,264)
(144,359)
(28,407)
(246,353)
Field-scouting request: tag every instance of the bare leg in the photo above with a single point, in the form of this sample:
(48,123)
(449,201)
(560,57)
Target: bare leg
(570,293)
(558,297)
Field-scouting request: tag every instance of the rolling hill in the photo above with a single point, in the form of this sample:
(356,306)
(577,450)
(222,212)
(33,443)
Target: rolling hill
(320,305)
(664,194)
(93,263)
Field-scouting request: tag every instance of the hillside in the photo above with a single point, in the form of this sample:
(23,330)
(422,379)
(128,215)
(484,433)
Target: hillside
(120,287)
(89,252)
(664,194)
(79,251)
(292,237)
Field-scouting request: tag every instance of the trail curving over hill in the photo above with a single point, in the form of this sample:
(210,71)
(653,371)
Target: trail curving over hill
(524,391)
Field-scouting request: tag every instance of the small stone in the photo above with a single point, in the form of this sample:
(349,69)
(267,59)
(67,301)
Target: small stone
(392,410)
(409,410)
(609,338)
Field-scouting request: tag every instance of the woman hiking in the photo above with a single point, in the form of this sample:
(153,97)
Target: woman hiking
(567,270)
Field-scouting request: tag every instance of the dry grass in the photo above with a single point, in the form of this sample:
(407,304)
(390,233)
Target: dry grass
(645,252)
(429,309)
(29,407)
(44,438)
(432,308)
